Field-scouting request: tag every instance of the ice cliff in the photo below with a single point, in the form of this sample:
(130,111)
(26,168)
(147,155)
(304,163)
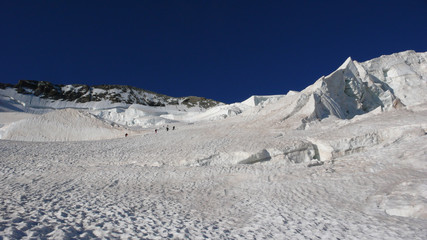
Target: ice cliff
(387,82)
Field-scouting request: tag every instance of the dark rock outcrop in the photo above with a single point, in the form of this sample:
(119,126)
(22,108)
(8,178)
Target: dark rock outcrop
(81,93)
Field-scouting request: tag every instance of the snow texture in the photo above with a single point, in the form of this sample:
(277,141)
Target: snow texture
(342,159)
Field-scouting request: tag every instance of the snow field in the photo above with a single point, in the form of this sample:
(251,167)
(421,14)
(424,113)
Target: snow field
(156,186)
(72,199)
(338,160)
(61,125)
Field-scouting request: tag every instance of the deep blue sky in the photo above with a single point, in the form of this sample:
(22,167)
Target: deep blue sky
(224,50)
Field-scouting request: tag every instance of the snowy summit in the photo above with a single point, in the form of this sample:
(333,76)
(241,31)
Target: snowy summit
(345,158)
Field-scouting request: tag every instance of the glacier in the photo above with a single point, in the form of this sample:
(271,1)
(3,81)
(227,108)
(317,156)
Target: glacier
(344,158)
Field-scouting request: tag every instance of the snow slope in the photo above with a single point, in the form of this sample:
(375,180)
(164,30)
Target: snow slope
(61,125)
(232,180)
(346,158)
(355,88)
(41,95)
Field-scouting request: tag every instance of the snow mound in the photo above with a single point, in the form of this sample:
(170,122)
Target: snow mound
(146,117)
(405,199)
(215,113)
(257,100)
(134,115)
(290,152)
(61,125)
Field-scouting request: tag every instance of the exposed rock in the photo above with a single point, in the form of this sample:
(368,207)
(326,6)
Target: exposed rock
(113,93)
(5,85)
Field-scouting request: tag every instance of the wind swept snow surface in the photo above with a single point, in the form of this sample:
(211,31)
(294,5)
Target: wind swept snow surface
(61,125)
(233,180)
(346,158)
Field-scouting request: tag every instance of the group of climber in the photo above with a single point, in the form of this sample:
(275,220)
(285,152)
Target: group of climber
(156,130)
(167,128)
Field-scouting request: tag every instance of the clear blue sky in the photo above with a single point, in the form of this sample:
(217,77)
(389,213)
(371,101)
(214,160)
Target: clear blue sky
(224,50)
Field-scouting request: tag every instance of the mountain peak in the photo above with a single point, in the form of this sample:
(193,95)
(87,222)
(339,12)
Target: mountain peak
(346,63)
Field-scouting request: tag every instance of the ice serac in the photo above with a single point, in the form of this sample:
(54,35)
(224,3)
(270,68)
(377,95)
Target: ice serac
(345,94)
(387,82)
(405,73)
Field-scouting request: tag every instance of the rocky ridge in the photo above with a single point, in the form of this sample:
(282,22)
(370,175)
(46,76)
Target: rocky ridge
(81,93)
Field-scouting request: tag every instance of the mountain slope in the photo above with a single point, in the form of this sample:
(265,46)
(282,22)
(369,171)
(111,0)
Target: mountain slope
(338,160)
(41,94)
(354,89)
(61,125)
(357,88)
(381,84)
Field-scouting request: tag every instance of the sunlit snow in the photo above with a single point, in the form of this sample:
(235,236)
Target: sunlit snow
(346,158)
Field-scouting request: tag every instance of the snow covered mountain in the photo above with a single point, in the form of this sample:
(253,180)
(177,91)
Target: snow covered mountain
(384,83)
(381,84)
(30,95)
(344,158)
(111,105)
